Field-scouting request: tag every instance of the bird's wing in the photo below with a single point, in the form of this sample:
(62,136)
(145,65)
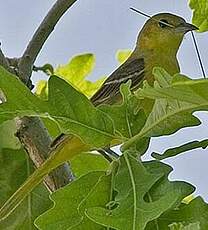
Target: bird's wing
(131,69)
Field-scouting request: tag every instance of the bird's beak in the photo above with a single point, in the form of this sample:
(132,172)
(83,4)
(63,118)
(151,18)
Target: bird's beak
(185,27)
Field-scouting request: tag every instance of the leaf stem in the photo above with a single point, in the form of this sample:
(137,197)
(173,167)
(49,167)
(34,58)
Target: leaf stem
(134,190)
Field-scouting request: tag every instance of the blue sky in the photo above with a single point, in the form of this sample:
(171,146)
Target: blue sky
(103,27)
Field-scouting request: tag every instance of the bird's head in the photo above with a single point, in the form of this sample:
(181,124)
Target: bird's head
(163,32)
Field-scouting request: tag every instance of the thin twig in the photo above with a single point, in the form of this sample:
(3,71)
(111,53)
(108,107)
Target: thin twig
(40,36)
(198,54)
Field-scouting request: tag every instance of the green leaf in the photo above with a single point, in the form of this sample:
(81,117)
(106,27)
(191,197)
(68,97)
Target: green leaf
(200,12)
(71,202)
(77,68)
(99,196)
(175,101)
(193,214)
(75,114)
(122,55)
(128,117)
(71,110)
(19,101)
(52,127)
(14,169)
(7,134)
(75,72)
(41,89)
(180,226)
(84,163)
(142,195)
(181,149)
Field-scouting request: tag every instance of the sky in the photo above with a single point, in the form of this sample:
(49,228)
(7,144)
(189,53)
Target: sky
(103,27)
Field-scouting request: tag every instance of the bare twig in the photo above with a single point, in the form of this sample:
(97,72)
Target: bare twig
(40,36)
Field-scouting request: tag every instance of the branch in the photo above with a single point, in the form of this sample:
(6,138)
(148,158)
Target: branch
(4,62)
(36,141)
(31,131)
(40,36)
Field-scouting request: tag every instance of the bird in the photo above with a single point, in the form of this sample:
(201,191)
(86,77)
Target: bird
(157,44)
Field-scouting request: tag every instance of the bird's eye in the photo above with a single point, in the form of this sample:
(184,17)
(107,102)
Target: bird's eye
(163,23)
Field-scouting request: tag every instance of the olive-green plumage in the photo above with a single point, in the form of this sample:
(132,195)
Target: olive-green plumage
(157,45)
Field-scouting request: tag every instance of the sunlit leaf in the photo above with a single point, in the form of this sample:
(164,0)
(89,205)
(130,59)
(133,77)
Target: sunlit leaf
(122,55)
(188,199)
(58,156)
(200,12)
(76,71)
(42,89)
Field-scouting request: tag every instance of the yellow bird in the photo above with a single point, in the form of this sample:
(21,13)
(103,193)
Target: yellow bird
(157,45)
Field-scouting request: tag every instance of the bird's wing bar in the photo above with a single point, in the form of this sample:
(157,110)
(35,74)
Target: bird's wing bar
(130,70)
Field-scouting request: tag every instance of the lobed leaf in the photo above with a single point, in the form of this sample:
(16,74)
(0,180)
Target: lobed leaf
(194,214)
(128,117)
(176,98)
(71,202)
(71,110)
(76,71)
(142,195)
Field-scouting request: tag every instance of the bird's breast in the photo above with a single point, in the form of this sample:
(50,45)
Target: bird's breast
(167,62)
